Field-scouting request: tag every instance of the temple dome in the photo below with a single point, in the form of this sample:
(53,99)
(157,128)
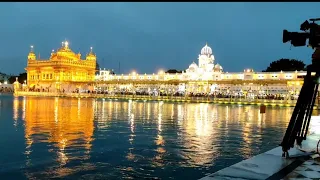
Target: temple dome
(206,50)
(218,66)
(31,55)
(91,53)
(193,65)
(65,48)
(65,52)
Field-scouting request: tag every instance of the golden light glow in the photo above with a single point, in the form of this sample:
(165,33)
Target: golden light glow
(15,109)
(63,71)
(198,127)
(61,132)
(200,76)
(66,44)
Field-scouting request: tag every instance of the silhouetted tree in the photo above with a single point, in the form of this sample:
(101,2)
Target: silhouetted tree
(97,67)
(173,71)
(286,65)
(12,79)
(21,78)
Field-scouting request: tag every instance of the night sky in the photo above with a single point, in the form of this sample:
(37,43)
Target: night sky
(148,36)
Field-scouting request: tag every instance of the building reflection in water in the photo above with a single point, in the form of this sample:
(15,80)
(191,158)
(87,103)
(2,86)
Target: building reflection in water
(131,110)
(63,124)
(19,107)
(159,140)
(200,131)
(199,134)
(164,134)
(16,109)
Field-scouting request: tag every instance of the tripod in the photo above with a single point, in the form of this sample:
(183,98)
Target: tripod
(300,119)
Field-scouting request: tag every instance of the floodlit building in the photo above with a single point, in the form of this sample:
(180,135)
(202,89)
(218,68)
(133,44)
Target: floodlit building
(205,76)
(63,71)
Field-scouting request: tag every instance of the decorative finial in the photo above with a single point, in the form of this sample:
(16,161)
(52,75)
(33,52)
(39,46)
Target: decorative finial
(206,43)
(62,43)
(31,48)
(91,49)
(66,44)
(52,50)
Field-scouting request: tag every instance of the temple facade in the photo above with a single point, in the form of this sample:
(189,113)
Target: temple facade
(205,76)
(63,71)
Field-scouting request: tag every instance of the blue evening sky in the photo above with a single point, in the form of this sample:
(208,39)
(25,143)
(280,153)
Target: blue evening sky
(148,36)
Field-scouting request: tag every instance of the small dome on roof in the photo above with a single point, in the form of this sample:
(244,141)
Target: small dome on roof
(193,65)
(218,66)
(206,50)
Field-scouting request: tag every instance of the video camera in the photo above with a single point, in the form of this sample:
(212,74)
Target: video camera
(311,32)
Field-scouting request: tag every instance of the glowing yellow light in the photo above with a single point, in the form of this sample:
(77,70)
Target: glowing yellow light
(160,72)
(66,44)
(5,82)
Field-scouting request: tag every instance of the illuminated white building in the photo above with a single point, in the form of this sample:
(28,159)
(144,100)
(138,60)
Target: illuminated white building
(206,76)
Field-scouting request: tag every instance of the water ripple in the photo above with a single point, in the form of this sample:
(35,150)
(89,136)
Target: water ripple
(68,138)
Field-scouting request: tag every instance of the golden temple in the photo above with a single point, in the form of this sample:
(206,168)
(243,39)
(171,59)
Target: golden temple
(63,71)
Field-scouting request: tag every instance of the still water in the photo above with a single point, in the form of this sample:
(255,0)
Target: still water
(71,138)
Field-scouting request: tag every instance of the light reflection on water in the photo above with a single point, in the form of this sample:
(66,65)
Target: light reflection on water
(88,138)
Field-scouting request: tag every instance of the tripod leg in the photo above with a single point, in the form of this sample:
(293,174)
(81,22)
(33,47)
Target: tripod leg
(297,118)
(304,113)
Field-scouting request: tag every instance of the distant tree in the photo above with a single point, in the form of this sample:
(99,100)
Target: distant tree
(286,65)
(97,67)
(12,79)
(21,78)
(173,71)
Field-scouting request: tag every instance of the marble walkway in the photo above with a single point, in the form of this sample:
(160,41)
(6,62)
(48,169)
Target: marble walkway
(271,166)
(309,170)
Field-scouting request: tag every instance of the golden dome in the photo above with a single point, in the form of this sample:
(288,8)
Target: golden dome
(66,53)
(65,47)
(31,55)
(91,55)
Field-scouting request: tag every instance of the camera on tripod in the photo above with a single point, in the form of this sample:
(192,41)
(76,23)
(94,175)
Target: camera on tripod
(311,32)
